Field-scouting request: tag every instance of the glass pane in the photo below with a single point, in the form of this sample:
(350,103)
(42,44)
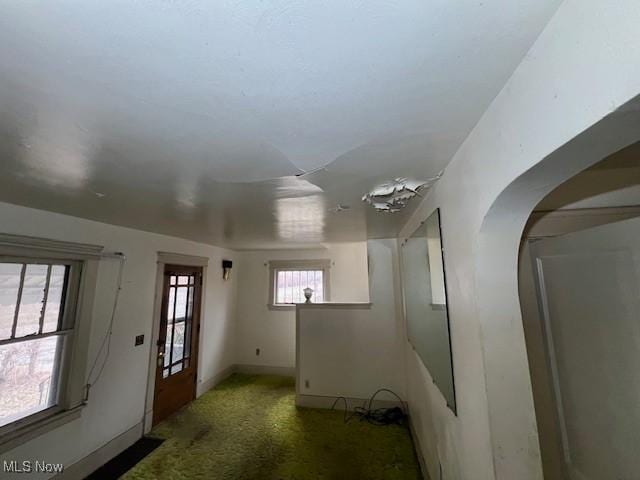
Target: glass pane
(295,287)
(181,304)
(318,291)
(183,280)
(54,298)
(178,342)
(167,345)
(187,335)
(165,373)
(28,377)
(176,368)
(9,285)
(280,287)
(172,280)
(172,294)
(31,303)
(289,291)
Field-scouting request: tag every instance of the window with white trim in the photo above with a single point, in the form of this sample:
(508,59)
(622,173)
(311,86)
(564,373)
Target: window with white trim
(37,300)
(289,279)
(47,293)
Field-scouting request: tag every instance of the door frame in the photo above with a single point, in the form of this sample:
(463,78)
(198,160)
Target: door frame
(163,259)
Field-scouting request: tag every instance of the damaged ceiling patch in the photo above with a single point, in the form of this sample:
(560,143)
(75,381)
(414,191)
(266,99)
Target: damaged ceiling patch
(394,195)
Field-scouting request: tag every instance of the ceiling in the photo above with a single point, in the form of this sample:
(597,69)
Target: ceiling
(245,123)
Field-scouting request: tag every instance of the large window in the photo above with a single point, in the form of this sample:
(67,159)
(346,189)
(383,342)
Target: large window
(290,278)
(34,333)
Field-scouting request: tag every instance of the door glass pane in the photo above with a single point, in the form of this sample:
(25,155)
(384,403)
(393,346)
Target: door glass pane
(9,285)
(187,335)
(181,304)
(178,342)
(183,280)
(28,377)
(173,280)
(54,298)
(167,345)
(176,368)
(172,295)
(31,303)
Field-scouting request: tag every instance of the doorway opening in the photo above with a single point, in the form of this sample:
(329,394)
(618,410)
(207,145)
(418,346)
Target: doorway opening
(177,340)
(579,286)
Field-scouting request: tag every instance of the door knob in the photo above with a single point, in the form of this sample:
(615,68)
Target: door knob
(160,358)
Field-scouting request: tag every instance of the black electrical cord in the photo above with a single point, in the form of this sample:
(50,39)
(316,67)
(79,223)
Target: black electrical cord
(378,416)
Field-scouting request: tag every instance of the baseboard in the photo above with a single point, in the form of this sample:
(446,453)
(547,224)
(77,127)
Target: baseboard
(319,401)
(266,370)
(207,385)
(416,445)
(97,458)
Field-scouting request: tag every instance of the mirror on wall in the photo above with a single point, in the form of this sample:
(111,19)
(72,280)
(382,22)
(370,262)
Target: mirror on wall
(425,296)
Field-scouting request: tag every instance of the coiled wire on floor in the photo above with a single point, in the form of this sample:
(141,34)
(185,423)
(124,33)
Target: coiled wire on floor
(375,416)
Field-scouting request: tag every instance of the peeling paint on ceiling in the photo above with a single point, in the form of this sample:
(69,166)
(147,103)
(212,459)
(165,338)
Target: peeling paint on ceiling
(199,115)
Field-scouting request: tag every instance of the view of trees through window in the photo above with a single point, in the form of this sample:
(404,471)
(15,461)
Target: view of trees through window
(31,304)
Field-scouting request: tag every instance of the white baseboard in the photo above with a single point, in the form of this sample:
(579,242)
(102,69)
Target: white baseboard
(416,445)
(266,370)
(319,401)
(207,385)
(102,455)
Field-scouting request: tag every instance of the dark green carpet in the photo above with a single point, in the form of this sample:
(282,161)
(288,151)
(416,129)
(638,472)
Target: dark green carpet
(249,428)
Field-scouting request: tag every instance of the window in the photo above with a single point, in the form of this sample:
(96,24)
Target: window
(290,278)
(47,293)
(35,327)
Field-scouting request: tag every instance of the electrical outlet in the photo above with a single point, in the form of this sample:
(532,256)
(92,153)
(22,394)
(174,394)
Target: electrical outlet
(306,384)
(139,340)
(257,352)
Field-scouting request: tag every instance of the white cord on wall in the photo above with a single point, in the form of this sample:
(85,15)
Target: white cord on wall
(106,341)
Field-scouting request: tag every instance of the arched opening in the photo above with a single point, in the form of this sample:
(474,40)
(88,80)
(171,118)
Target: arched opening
(513,422)
(579,286)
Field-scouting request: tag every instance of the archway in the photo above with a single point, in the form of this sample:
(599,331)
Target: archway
(512,420)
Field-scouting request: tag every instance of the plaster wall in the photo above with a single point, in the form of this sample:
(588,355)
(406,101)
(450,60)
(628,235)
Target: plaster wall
(117,401)
(353,350)
(273,331)
(578,73)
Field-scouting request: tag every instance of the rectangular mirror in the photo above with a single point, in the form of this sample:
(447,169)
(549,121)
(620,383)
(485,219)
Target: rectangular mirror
(425,296)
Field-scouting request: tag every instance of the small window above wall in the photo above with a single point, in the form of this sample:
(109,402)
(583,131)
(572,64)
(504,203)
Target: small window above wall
(289,279)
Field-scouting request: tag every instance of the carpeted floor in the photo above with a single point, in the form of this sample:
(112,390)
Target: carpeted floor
(249,428)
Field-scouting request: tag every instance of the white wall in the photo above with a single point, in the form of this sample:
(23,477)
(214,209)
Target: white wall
(579,71)
(273,331)
(352,352)
(117,401)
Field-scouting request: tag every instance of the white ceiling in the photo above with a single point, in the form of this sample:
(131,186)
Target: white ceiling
(193,117)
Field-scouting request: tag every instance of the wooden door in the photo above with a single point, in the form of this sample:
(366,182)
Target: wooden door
(176,367)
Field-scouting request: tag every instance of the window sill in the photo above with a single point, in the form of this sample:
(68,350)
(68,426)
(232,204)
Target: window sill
(281,307)
(31,430)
